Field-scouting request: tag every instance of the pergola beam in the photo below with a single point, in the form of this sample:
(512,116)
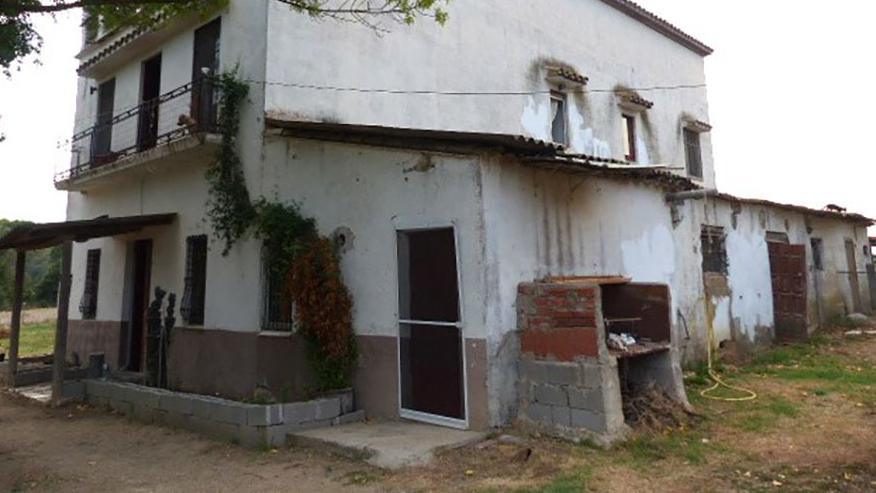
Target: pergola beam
(15,323)
(59,361)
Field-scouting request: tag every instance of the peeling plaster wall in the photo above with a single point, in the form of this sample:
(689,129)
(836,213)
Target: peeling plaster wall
(506,54)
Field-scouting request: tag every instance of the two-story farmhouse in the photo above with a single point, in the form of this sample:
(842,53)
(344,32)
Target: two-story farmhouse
(455,166)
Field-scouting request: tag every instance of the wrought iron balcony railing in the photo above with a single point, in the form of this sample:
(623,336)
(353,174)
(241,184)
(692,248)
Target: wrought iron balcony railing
(187,110)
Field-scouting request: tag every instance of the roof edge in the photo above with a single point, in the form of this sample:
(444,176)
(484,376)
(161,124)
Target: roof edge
(660,25)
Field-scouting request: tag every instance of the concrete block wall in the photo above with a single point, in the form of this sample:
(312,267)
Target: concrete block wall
(568,385)
(252,425)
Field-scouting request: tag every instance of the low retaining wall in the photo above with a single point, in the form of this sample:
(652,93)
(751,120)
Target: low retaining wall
(252,425)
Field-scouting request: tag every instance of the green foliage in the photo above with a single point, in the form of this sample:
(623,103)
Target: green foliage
(41,276)
(229,207)
(568,483)
(284,232)
(35,340)
(18,38)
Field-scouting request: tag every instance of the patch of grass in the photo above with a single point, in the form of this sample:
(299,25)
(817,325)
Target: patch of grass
(360,478)
(780,406)
(685,444)
(846,322)
(568,483)
(35,340)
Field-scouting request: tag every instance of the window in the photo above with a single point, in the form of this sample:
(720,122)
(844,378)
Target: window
(278,312)
(88,304)
(629,128)
(817,253)
(714,250)
(192,305)
(692,153)
(102,136)
(205,96)
(558,117)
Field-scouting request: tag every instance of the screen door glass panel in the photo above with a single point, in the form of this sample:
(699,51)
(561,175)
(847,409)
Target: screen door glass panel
(430,338)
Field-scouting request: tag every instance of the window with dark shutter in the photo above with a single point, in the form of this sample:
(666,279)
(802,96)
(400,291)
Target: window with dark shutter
(88,303)
(278,312)
(195,290)
(692,153)
(629,129)
(817,253)
(713,246)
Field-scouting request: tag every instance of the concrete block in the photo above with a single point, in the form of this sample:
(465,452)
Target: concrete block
(253,436)
(120,406)
(587,399)
(348,403)
(98,401)
(202,406)
(589,375)
(73,390)
(230,412)
(562,373)
(310,425)
(147,414)
(561,415)
(539,413)
(299,412)
(533,371)
(265,415)
(551,395)
(175,403)
(588,420)
(143,397)
(328,408)
(221,431)
(98,388)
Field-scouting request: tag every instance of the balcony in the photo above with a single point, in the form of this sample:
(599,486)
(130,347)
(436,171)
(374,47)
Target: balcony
(176,128)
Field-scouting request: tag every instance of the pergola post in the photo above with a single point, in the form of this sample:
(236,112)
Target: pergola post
(15,329)
(59,362)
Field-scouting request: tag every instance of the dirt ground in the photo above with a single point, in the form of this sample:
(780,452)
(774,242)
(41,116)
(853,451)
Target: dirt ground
(812,428)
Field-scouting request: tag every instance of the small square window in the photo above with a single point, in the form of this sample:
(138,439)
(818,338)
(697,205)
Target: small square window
(558,117)
(692,153)
(629,129)
(714,250)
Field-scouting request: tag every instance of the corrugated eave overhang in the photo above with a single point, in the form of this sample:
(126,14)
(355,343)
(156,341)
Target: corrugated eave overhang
(411,138)
(843,216)
(36,236)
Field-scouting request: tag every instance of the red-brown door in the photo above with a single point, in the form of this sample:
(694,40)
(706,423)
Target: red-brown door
(788,271)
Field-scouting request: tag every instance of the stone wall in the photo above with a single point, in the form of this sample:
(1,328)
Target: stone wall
(253,425)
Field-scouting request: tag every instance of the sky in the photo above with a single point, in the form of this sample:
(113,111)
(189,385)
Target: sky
(788,92)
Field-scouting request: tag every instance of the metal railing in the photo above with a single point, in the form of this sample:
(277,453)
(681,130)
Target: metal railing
(189,109)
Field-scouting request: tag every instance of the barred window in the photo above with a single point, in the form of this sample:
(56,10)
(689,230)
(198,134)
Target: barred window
(714,249)
(88,304)
(195,290)
(817,253)
(278,312)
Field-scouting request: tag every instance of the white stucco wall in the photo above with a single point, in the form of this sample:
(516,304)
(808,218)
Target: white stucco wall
(490,46)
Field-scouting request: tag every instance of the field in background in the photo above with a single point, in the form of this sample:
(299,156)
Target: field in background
(37,332)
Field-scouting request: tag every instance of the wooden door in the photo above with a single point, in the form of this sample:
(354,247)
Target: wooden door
(102,138)
(788,272)
(205,65)
(150,89)
(140,302)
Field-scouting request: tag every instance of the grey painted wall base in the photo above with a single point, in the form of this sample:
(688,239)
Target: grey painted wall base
(252,425)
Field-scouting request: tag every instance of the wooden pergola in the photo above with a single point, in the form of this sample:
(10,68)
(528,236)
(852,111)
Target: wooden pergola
(39,236)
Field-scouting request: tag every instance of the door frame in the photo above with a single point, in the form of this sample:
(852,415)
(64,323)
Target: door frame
(406,225)
(129,350)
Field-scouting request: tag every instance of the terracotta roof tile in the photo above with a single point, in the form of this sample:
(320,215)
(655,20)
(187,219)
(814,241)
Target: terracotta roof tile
(660,25)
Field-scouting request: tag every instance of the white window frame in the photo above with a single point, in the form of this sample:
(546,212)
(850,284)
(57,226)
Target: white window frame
(563,98)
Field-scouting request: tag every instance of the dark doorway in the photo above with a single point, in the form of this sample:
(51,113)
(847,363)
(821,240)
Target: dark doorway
(430,333)
(102,138)
(150,89)
(139,303)
(852,263)
(205,66)
(788,272)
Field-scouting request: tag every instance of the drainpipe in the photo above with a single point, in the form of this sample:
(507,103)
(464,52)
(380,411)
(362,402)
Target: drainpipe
(677,198)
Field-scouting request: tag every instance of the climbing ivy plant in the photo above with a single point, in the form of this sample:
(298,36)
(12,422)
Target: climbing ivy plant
(292,246)
(229,207)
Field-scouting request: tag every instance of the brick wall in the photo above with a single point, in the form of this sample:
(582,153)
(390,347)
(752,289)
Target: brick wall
(557,321)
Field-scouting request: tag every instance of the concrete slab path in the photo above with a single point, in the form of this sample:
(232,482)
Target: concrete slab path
(388,444)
